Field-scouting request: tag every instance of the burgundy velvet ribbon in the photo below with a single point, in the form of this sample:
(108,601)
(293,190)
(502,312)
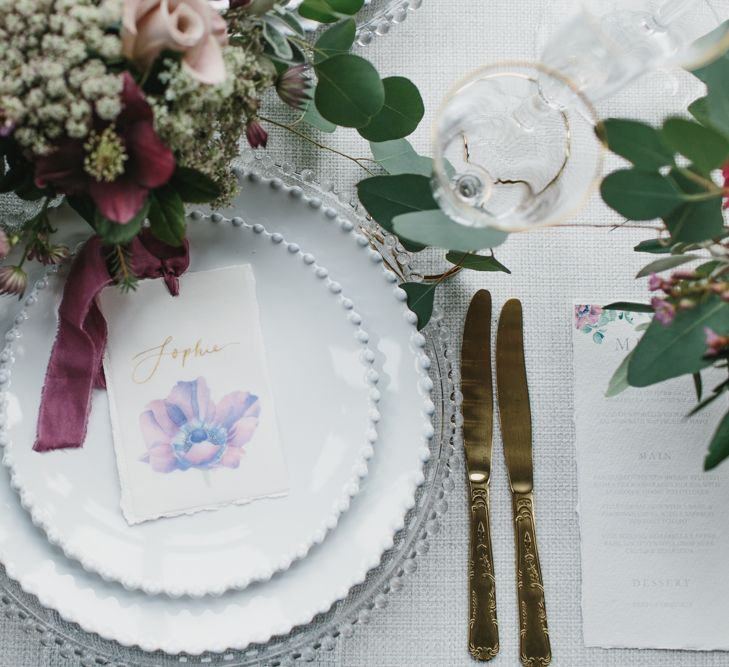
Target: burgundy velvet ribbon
(75,366)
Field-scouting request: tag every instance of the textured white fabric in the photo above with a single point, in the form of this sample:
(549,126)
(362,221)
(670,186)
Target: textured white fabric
(425,623)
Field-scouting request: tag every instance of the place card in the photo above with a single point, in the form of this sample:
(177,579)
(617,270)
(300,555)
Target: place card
(654,537)
(192,413)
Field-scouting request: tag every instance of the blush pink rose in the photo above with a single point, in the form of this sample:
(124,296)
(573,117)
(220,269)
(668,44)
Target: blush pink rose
(190,27)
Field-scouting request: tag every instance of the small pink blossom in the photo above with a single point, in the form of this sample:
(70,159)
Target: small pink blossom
(665,312)
(684,275)
(655,282)
(714,342)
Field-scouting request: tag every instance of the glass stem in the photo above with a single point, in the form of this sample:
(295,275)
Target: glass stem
(531,112)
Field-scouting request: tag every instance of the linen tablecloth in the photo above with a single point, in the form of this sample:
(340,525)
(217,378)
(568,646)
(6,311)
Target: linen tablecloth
(426,622)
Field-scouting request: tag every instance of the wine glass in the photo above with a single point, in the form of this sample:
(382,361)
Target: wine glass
(514,143)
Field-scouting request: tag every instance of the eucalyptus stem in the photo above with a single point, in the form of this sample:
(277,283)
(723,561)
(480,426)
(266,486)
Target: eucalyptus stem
(298,133)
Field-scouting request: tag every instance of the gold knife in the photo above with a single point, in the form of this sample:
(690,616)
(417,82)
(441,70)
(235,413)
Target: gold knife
(478,420)
(516,431)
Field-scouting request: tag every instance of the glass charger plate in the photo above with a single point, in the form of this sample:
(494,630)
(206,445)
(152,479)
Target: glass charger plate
(323,632)
(327,435)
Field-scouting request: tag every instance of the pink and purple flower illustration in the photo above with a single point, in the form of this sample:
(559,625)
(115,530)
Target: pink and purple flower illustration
(188,430)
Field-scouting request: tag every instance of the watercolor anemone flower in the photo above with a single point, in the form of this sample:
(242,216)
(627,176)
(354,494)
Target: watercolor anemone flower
(188,430)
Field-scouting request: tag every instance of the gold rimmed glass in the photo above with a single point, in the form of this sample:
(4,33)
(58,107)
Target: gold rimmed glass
(505,156)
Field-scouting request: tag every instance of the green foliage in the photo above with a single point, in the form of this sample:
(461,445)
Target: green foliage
(386,197)
(706,148)
(476,262)
(694,221)
(637,142)
(719,445)
(714,75)
(349,92)
(629,306)
(335,41)
(329,11)
(640,195)
(114,233)
(420,300)
(167,216)
(435,228)
(400,114)
(654,246)
(664,264)
(619,381)
(399,157)
(278,41)
(316,120)
(193,186)
(669,350)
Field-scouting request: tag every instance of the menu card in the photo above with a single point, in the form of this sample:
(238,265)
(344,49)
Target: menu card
(653,524)
(192,411)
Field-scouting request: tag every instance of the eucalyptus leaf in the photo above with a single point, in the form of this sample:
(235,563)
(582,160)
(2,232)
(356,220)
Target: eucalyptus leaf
(706,148)
(640,195)
(316,120)
(386,197)
(435,228)
(277,40)
(167,216)
(630,307)
(619,381)
(717,86)
(335,40)
(719,445)
(349,91)
(329,11)
(115,233)
(421,297)
(678,348)
(401,113)
(694,221)
(664,264)
(637,142)
(399,157)
(475,262)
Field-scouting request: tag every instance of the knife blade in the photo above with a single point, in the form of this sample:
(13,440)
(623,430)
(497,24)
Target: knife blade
(478,418)
(516,432)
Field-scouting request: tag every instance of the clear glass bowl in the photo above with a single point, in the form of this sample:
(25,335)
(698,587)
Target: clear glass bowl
(69,641)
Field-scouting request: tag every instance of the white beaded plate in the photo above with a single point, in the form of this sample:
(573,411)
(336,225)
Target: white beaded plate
(325,392)
(252,616)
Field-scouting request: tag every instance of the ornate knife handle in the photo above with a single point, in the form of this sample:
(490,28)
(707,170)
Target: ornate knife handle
(535,650)
(483,629)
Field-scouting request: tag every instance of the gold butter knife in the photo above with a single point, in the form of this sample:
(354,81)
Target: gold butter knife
(478,419)
(516,430)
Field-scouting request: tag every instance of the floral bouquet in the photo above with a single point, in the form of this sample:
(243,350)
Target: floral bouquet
(130,108)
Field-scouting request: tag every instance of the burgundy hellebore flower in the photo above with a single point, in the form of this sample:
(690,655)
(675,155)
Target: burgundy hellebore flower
(116,165)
